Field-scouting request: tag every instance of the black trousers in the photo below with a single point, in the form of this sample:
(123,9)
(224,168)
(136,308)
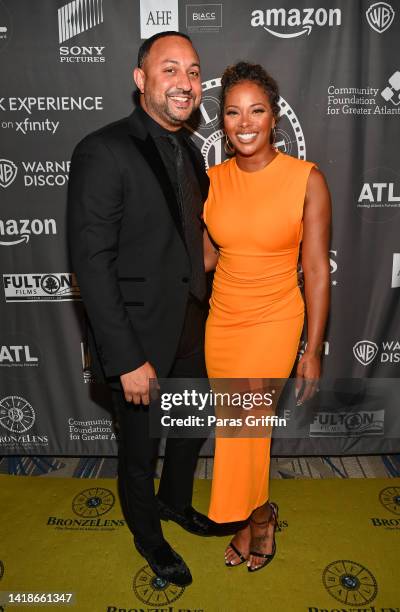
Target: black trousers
(137,452)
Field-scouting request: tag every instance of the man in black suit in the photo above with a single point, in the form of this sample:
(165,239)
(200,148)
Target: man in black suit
(136,193)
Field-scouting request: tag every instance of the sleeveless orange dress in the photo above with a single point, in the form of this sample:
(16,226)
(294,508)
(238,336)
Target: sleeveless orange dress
(256,308)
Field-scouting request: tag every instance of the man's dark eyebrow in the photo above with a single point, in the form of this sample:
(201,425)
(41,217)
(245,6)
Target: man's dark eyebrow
(171,61)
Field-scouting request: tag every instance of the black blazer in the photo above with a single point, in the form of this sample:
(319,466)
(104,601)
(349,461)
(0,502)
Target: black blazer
(127,247)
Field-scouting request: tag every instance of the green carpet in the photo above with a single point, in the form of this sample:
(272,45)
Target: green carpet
(338,550)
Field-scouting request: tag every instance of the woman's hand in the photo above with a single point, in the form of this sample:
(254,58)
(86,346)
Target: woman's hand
(307,377)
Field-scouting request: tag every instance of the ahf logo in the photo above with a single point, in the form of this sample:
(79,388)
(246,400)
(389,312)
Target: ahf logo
(380,16)
(8,172)
(365,351)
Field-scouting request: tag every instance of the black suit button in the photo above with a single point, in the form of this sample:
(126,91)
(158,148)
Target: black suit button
(185,279)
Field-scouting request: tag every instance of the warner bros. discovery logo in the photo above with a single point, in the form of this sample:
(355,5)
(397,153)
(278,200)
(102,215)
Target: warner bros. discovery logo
(366,351)
(8,172)
(380,16)
(396,271)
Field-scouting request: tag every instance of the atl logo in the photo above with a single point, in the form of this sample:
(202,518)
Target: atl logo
(380,16)
(8,172)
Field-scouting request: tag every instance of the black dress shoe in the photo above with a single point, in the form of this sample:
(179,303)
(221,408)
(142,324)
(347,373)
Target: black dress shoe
(166,563)
(189,519)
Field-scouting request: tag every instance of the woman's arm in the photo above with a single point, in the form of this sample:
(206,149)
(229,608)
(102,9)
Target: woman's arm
(315,264)
(211,253)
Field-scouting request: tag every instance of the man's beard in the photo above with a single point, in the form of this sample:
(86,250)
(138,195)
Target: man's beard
(162,110)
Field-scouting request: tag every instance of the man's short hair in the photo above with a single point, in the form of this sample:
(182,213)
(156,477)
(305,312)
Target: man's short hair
(145,47)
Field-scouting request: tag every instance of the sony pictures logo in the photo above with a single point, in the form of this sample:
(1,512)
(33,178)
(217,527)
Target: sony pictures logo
(294,22)
(42,287)
(380,16)
(204,17)
(74,19)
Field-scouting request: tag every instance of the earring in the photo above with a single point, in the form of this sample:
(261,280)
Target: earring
(273,135)
(228,148)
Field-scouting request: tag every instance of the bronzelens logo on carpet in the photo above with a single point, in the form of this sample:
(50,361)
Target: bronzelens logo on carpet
(155,591)
(350,583)
(90,505)
(389,497)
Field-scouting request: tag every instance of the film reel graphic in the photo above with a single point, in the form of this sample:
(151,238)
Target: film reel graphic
(93,502)
(207,129)
(390,499)
(349,582)
(153,590)
(16,414)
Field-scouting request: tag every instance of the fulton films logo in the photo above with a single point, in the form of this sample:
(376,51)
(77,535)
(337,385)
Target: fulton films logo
(294,22)
(396,271)
(380,16)
(18,231)
(41,287)
(8,172)
(75,18)
(158,16)
(207,132)
(203,17)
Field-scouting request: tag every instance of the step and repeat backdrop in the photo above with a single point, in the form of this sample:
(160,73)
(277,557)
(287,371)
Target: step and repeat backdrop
(66,70)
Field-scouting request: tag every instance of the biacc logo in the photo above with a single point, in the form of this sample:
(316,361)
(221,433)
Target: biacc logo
(74,19)
(380,16)
(294,22)
(207,132)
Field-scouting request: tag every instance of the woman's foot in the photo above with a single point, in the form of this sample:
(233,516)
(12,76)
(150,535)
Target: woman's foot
(263,523)
(241,542)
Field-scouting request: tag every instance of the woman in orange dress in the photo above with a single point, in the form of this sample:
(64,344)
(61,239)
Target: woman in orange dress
(262,203)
